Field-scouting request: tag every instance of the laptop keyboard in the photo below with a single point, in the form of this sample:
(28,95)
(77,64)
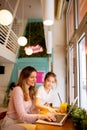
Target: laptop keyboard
(59,118)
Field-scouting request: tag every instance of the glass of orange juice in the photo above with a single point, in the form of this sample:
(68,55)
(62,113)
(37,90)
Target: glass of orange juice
(63,107)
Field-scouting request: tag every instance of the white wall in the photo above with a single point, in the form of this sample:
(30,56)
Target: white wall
(59,65)
(4,80)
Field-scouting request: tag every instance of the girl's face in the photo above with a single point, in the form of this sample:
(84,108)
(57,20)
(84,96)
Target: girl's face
(31,80)
(49,82)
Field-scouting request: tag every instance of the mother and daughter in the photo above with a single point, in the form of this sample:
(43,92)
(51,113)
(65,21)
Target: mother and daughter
(25,104)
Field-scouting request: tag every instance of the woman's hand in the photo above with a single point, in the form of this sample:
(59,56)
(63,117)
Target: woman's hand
(51,117)
(48,116)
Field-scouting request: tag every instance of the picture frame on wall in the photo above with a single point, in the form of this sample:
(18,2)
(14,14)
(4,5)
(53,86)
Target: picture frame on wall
(40,78)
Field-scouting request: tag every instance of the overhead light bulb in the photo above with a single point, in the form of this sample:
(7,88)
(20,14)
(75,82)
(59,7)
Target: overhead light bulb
(5,17)
(48,12)
(28,51)
(22,41)
(48,22)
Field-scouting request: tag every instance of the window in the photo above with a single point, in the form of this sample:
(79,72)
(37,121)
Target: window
(82,56)
(77,44)
(72,73)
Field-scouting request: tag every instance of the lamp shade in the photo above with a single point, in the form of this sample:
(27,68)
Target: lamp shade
(28,51)
(5,17)
(48,12)
(22,41)
(49,42)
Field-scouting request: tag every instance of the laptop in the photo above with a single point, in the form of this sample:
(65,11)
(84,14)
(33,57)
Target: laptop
(60,117)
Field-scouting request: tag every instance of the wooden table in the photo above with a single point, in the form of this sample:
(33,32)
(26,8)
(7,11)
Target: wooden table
(68,125)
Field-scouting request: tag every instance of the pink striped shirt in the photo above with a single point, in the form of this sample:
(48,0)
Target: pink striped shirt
(18,108)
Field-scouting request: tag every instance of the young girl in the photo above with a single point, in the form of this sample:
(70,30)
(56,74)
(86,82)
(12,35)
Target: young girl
(20,103)
(45,95)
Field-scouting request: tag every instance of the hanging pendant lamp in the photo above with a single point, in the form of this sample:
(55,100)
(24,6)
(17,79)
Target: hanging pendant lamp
(28,51)
(6,17)
(22,40)
(48,12)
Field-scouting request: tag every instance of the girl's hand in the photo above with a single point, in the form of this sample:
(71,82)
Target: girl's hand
(53,110)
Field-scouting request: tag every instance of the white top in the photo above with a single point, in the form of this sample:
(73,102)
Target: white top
(47,97)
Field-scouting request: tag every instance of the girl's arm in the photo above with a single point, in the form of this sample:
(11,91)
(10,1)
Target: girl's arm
(44,108)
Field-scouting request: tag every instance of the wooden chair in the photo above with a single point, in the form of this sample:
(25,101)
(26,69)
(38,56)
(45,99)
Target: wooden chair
(2,114)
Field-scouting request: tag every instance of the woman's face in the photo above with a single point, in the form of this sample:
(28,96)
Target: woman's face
(31,80)
(49,82)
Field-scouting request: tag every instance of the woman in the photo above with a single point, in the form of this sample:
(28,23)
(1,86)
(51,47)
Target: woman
(20,103)
(45,96)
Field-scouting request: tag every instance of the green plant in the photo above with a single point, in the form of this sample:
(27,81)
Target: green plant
(79,117)
(34,32)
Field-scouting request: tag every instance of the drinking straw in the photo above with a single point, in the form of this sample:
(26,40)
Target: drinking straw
(59,98)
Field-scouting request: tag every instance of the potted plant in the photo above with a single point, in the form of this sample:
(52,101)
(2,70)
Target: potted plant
(79,117)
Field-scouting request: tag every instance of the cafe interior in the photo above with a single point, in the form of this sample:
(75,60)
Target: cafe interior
(43,34)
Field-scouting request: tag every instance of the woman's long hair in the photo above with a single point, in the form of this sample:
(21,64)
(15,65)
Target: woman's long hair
(25,73)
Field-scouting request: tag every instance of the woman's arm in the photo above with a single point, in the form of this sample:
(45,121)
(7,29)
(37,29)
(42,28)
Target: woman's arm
(18,101)
(20,108)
